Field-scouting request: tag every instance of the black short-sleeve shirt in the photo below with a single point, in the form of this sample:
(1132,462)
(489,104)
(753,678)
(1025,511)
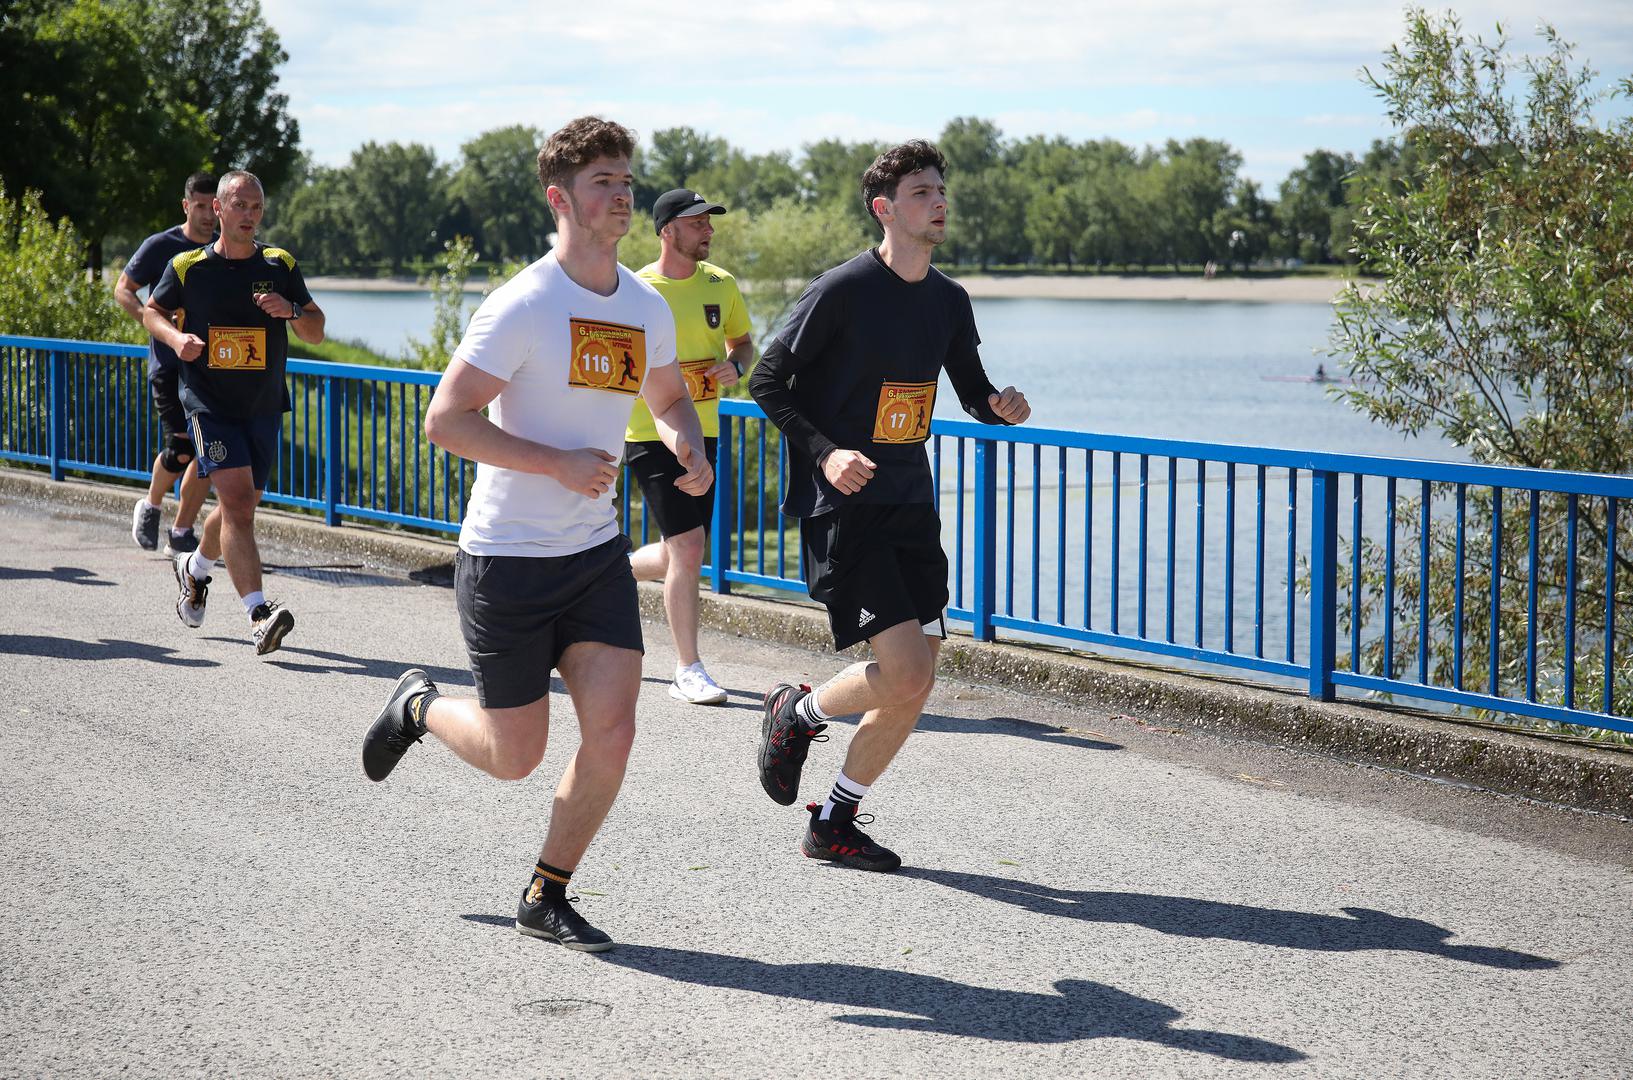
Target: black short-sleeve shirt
(145,268)
(863,351)
(241,371)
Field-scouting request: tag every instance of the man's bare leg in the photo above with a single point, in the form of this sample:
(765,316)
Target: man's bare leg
(194,490)
(229,531)
(889,692)
(507,744)
(163,480)
(604,682)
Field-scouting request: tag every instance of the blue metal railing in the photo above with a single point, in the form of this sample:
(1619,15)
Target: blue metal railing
(1316,579)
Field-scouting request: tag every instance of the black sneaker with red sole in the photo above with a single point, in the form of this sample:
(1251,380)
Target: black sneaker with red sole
(785,739)
(838,840)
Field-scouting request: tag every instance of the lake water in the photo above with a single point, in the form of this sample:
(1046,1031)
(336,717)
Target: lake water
(1199,370)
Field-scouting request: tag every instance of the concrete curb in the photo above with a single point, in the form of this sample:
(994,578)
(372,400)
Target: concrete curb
(1532,766)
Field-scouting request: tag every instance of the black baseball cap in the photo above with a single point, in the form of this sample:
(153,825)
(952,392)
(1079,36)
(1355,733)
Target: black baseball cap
(682,202)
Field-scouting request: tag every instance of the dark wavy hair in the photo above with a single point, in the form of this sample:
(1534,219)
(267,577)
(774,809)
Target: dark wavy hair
(889,167)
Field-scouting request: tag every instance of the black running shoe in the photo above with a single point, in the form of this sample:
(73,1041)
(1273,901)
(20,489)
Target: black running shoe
(272,621)
(394,730)
(839,840)
(182,543)
(144,526)
(558,921)
(785,738)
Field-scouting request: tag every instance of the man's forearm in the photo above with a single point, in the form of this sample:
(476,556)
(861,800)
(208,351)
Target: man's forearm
(472,436)
(160,328)
(679,421)
(309,327)
(130,302)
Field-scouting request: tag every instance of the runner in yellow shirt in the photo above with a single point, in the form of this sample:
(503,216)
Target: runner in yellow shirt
(713,343)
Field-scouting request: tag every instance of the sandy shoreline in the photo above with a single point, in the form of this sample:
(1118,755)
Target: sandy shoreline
(1295,290)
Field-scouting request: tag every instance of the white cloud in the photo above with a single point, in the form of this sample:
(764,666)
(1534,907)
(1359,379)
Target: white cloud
(775,75)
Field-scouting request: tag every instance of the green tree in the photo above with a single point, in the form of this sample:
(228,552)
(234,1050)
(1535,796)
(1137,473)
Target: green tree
(676,155)
(833,172)
(450,311)
(399,192)
(100,139)
(318,221)
(498,181)
(221,58)
(1312,196)
(748,182)
(43,288)
(783,248)
(1503,320)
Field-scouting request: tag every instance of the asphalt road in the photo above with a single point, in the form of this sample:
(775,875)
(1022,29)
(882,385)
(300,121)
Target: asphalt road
(198,880)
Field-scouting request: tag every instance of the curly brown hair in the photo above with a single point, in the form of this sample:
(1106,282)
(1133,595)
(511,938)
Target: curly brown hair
(577,144)
(889,167)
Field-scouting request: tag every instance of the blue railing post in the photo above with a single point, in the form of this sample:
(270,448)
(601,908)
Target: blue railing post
(334,455)
(1323,583)
(56,419)
(725,483)
(986,538)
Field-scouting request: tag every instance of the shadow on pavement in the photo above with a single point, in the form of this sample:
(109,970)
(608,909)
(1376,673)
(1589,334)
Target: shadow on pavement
(342,664)
(1356,930)
(72,575)
(907,1001)
(1000,725)
(106,649)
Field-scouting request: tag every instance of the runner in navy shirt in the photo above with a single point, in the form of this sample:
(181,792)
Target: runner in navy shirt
(176,456)
(224,310)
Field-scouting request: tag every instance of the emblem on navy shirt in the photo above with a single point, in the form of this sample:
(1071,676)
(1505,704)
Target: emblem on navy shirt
(711,313)
(261,287)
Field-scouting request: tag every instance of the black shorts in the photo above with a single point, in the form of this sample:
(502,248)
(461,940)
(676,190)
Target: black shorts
(656,470)
(236,444)
(874,566)
(519,614)
(165,385)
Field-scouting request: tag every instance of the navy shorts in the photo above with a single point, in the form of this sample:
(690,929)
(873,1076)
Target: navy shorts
(235,444)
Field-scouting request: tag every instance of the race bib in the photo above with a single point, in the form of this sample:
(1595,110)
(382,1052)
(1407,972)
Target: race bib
(904,412)
(698,381)
(236,348)
(606,356)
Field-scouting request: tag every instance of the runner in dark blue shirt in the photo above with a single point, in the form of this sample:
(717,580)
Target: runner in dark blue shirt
(225,310)
(851,382)
(176,457)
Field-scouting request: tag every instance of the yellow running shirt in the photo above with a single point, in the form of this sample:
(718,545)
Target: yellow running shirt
(708,310)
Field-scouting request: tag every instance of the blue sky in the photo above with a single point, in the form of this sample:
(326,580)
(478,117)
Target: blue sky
(1275,79)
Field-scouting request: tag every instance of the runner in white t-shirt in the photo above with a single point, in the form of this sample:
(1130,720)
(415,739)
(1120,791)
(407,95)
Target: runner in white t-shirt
(557,356)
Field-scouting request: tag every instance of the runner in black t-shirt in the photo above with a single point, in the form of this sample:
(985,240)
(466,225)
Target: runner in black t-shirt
(235,299)
(856,366)
(176,459)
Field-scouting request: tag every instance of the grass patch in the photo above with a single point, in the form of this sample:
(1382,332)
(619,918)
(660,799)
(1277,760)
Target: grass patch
(342,352)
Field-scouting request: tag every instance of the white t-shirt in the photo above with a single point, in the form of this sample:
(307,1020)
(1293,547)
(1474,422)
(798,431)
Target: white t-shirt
(574,362)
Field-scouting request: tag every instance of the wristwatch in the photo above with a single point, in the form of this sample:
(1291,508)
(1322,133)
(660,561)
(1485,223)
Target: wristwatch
(295,311)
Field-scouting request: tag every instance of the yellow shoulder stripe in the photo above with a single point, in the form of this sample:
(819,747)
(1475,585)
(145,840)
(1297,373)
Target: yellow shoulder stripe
(187,260)
(279,253)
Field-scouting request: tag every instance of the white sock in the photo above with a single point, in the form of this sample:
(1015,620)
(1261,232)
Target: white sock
(688,667)
(846,792)
(154,505)
(253,600)
(200,565)
(810,710)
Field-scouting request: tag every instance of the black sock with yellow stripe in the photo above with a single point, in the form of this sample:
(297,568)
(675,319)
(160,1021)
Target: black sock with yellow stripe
(549,883)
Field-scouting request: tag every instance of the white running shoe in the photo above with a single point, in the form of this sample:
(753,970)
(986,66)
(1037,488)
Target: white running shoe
(692,684)
(193,593)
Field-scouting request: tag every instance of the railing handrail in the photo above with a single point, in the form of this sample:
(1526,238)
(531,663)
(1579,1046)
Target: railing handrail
(343,404)
(1504,476)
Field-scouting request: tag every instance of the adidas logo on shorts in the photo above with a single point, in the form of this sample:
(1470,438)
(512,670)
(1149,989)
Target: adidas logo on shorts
(867,617)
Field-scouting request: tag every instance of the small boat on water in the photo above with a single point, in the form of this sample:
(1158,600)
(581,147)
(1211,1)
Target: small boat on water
(1320,376)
